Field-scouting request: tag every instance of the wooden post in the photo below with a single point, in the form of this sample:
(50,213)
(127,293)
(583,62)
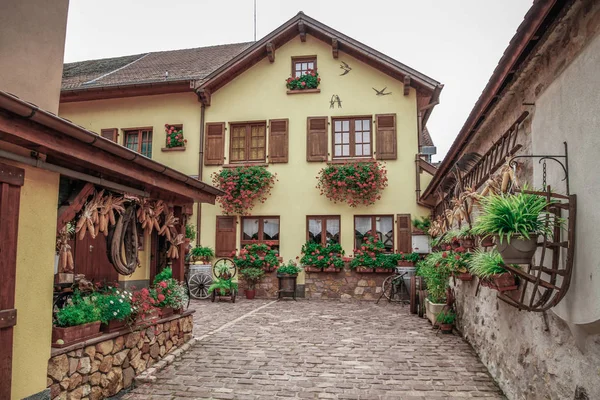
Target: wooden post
(178,265)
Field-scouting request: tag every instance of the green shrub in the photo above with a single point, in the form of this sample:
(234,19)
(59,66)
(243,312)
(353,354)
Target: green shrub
(201,252)
(224,286)
(446,317)
(113,304)
(485,264)
(190,231)
(436,270)
(257,255)
(422,223)
(290,268)
(78,311)
(252,276)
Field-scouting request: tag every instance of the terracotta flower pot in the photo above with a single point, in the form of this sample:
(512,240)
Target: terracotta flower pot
(310,268)
(467,243)
(487,241)
(364,270)
(446,328)
(503,282)
(518,251)
(74,334)
(250,294)
(383,270)
(331,269)
(403,263)
(113,326)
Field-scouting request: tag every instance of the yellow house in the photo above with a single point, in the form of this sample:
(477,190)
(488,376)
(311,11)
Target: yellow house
(234,109)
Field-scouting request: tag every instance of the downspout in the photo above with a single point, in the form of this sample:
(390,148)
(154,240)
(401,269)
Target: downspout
(418,182)
(200,170)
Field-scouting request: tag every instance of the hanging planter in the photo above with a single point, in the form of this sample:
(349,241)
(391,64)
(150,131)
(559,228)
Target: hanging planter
(174,138)
(519,251)
(502,282)
(244,187)
(357,184)
(308,81)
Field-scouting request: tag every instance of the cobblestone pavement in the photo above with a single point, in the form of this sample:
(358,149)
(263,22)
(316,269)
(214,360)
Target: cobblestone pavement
(319,350)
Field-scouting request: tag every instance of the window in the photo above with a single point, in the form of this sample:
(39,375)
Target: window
(352,137)
(303,65)
(323,229)
(381,226)
(139,140)
(248,142)
(260,230)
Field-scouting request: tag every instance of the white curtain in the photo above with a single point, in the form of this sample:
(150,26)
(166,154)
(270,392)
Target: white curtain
(271,228)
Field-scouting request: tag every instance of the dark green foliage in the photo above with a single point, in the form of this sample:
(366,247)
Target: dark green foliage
(318,256)
(78,311)
(485,264)
(290,269)
(252,276)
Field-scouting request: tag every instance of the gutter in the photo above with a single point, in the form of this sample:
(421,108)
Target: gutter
(513,56)
(32,112)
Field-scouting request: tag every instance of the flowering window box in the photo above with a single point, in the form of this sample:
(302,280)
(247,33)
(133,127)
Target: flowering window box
(166,312)
(174,138)
(74,334)
(113,326)
(364,270)
(309,268)
(403,263)
(383,271)
(304,91)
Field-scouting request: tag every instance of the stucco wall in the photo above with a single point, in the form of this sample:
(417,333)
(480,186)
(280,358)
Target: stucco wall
(33,35)
(529,359)
(260,94)
(35,274)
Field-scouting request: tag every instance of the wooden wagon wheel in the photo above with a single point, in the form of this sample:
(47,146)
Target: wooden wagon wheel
(413,295)
(224,268)
(199,284)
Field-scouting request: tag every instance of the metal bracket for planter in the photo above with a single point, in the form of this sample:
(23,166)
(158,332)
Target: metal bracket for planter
(543,159)
(548,284)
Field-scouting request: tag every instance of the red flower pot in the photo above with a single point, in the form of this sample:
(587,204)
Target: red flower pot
(465,276)
(331,269)
(403,263)
(312,269)
(74,334)
(503,282)
(383,270)
(166,312)
(364,270)
(250,294)
(445,328)
(487,241)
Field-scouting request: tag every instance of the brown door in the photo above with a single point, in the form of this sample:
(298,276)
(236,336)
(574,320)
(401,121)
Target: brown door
(92,261)
(225,237)
(11,180)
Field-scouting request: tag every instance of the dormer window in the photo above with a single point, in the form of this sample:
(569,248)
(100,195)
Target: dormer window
(303,65)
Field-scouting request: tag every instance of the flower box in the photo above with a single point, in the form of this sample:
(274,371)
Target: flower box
(432,310)
(383,271)
(166,312)
(403,263)
(502,282)
(74,334)
(309,268)
(332,269)
(364,270)
(304,91)
(113,326)
(167,149)
(465,276)
(467,243)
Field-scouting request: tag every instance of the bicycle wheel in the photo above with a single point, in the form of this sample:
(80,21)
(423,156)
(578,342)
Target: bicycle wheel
(392,288)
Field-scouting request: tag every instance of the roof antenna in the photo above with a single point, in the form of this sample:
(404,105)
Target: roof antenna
(255,20)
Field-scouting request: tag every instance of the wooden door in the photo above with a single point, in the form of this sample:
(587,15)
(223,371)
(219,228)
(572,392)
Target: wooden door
(11,180)
(225,237)
(92,261)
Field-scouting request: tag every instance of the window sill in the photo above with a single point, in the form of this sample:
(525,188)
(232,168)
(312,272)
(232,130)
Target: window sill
(351,160)
(166,149)
(250,164)
(304,91)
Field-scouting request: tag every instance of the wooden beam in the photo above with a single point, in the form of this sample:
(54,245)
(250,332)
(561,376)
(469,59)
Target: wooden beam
(271,52)
(334,47)
(75,203)
(69,96)
(15,129)
(406,85)
(177,264)
(204,96)
(302,30)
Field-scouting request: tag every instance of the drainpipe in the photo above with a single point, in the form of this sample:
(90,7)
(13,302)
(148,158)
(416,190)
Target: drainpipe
(418,182)
(200,169)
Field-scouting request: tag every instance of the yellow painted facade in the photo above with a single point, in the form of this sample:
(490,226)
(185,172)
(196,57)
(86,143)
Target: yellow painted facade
(259,94)
(35,276)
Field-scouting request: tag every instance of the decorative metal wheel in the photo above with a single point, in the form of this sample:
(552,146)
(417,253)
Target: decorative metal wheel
(394,288)
(224,268)
(199,284)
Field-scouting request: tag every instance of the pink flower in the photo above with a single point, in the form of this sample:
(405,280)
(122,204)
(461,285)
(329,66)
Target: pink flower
(163,284)
(303,83)
(161,297)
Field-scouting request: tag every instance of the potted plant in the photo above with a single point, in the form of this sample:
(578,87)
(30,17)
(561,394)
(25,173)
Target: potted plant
(190,234)
(516,221)
(310,80)
(115,308)
(407,259)
(244,187)
(174,136)
(252,276)
(356,184)
(371,257)
(466,238)
(202,254)
(168,294)
(445,320)
(435,270)
(488,266)
(77,321)
(287,274)
(317,258)
(224,286)
(257,255)
(421,224)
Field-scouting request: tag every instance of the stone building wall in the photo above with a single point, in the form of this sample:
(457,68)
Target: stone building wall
(531,355)
(101,367)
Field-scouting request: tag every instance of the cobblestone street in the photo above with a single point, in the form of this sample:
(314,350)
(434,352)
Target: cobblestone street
(319,350)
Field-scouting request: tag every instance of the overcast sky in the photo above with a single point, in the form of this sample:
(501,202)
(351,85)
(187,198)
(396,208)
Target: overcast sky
(456,42)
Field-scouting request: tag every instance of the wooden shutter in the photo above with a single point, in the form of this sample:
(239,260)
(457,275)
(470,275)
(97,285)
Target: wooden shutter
(316,139)
(225,237)
(386,137)
(214,146)
(278,140)
(404,240)
(11,180)
(110,134)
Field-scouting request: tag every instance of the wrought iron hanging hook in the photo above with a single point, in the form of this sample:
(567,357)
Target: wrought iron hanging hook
(542,158)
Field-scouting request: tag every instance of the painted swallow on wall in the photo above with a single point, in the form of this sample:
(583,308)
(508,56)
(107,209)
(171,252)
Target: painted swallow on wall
(381,92)
(346,68)
(335,99)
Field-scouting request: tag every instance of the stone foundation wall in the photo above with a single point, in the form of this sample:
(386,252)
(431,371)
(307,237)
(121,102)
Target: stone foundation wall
(346,285)
(101,367)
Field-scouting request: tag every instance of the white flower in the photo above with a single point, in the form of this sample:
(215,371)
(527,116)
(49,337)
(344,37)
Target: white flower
(114,313)
(120,301)
(123,296)
(111,302)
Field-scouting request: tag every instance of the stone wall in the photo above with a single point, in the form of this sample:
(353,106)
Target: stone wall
(531,355)
(346,284)
(103,366)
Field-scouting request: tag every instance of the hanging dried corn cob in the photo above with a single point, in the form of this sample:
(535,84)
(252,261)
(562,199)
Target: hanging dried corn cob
(168,228)
(173,251)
